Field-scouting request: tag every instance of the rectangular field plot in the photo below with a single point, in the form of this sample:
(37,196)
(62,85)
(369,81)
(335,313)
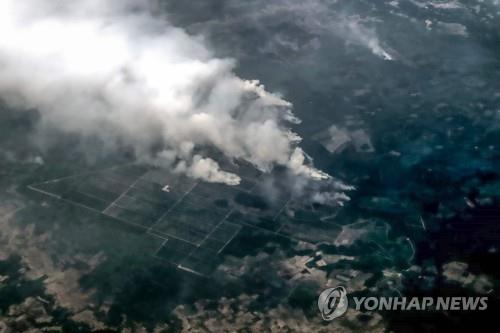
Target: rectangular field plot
(213,245)
(107,183)
(129,216)
(85,200)
(125,175)
(174,251)
(197,260)
(56,187)
(142,207)
(154,192)
(97,189)
(224,232)
(220,236)
(202,261)
(188,222)
(245,218)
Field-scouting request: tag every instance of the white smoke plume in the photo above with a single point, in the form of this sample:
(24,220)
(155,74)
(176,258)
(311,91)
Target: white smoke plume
(318,17)
(109,69)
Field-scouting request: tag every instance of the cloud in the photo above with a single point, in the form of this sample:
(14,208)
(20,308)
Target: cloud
(110,70)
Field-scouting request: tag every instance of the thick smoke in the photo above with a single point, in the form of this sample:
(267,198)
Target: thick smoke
(109,69)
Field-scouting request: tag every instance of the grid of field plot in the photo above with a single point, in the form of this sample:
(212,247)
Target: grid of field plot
(201,259)
(95,191)
(196,219)
(188,215)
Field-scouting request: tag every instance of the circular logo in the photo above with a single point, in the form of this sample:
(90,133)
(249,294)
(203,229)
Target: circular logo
(332,303)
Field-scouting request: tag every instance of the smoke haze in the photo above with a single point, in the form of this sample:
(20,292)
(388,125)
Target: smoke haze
(109,69)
